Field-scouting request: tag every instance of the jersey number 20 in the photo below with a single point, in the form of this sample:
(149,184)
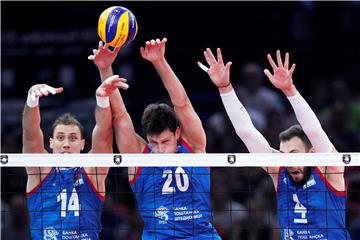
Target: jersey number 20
(181,179)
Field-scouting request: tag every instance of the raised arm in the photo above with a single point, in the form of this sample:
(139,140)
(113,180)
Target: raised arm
(33,138)
(282,79)
(126,138)
(240,119)
(102,133)
(191,126)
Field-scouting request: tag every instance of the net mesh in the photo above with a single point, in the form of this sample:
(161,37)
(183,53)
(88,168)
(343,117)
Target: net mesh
(244,203)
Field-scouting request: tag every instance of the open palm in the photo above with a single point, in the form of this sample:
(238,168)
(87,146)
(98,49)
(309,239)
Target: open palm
(282,77)
(218,72)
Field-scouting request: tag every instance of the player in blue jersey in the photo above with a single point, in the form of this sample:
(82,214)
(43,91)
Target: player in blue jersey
(174,202)
(65,203)
(311,200)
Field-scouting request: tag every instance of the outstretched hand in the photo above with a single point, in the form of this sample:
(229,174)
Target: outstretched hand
(110,84)
(103,57)
(218,72)
(154,50)
(39,90)
(282,77)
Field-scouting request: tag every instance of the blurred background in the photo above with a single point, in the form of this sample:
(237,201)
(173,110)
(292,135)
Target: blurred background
(48,42)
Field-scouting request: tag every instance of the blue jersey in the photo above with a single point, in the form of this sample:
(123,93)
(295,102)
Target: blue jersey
(174,202)
(65,205)
(314,210)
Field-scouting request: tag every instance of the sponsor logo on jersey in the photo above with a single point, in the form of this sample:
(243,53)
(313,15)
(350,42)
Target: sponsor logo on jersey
(162,214)
(50,233)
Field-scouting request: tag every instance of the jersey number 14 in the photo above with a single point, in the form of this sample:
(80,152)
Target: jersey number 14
(71,205)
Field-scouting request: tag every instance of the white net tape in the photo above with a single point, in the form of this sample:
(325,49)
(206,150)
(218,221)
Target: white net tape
(195,160)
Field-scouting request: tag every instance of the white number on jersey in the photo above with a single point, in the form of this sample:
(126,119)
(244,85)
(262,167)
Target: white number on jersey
(299,208)
(72,205)
(181,179)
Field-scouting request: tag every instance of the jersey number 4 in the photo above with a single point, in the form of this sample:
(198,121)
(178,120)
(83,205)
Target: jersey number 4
(181,179)
(71,205)
(299,208)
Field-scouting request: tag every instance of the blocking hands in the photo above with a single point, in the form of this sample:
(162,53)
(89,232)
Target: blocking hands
(110,84)
(103,57)
(218,72)
(154,50)
(282,77)
(39,90)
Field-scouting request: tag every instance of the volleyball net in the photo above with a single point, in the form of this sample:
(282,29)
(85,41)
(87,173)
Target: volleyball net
(166,196)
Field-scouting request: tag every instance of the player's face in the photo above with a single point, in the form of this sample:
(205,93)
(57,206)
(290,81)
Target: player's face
(67,139)
(294,145)
(165,142)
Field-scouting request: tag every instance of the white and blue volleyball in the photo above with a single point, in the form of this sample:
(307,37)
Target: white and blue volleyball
(117,26)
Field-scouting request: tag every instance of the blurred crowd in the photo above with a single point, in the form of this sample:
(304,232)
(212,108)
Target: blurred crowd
(243,199)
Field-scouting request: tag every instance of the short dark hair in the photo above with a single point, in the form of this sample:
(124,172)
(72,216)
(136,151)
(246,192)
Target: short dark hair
(295,131)
(158,117)
(68,119)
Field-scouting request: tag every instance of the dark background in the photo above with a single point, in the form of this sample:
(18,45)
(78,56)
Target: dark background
(48,42)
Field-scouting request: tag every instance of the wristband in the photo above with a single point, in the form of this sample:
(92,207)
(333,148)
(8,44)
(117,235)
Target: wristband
(102,102)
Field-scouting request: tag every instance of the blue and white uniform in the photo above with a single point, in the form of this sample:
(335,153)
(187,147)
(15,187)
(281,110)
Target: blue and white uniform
(174,202)
(65,205)
(314,210)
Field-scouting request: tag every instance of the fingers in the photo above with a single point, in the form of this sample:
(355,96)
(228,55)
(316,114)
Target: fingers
(114,81)
(203,67)
(142,51)
(91,57)
(286,64)
(211,56)
(116,50)
(122,85)
(268,74)
(278,57)
(153,42)
(207,58)
(219,56)
(59,90)
(111,79)
(292,69)
(43,90)
(38,93)
(271,61)
(50,89)
(228,65)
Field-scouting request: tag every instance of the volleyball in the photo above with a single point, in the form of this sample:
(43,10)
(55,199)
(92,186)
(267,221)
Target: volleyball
(117,26)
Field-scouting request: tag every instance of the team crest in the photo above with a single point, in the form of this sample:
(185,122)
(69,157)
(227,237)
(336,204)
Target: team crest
(78,180)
